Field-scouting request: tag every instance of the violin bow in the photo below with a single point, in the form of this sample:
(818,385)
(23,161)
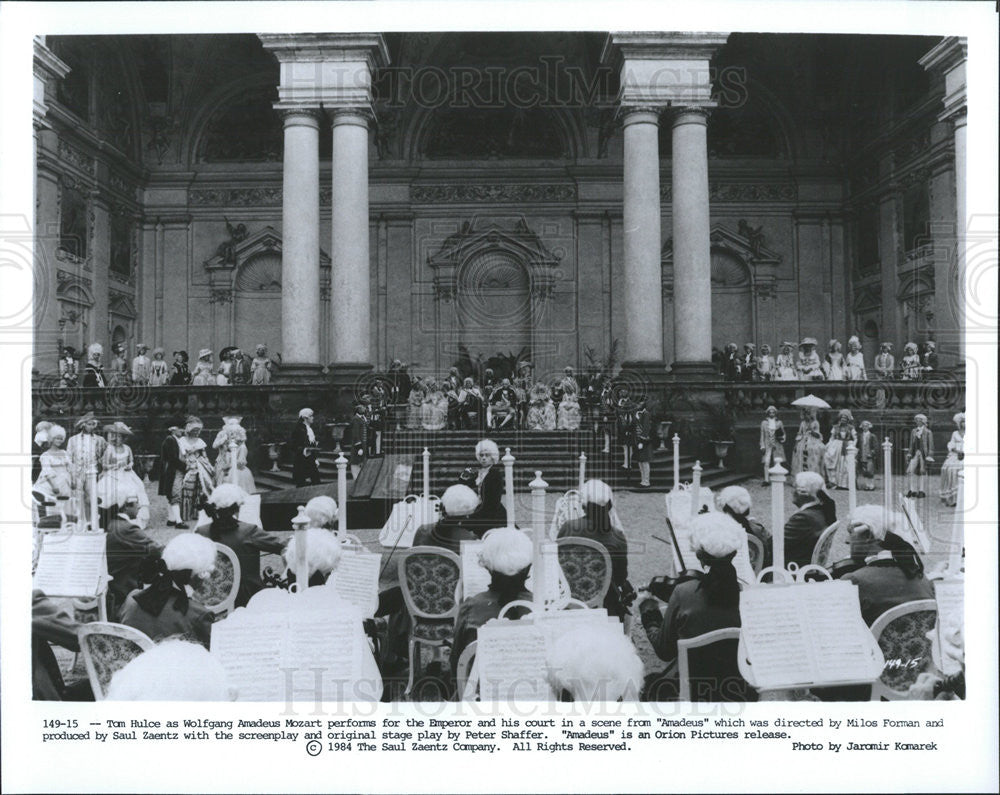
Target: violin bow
(677,547)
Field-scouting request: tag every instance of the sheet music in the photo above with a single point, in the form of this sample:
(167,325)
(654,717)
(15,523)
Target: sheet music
(806,634)
(776,644)
(322,650)
(72,565)
(950,596)
(556,623)
(682,529)
(511,661)
(249,648)
(475,578)
(356,580)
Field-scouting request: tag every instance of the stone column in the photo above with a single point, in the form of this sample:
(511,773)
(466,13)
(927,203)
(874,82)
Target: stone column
(641,212)
(692,244)
(948,60)
(300,294)
(350,277)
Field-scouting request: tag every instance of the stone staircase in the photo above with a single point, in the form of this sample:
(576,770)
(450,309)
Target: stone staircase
(555,453)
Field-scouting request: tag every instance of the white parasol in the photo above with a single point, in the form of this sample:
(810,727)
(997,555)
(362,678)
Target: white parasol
(812,402)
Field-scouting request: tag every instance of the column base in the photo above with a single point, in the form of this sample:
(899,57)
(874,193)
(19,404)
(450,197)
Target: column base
(694,371)
(299,373)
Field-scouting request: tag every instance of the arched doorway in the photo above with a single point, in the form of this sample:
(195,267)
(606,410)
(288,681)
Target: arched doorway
(732,300)
(493,305)
(258,303)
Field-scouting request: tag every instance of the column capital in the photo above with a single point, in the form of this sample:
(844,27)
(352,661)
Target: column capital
(639,114)
(690,114)
(304,115)
(357,115)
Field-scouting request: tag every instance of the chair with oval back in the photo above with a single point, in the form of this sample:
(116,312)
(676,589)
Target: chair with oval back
(832,545)
(107,648)
(218,591)
(901,633)
(428,578)
(709,661)
(587,567)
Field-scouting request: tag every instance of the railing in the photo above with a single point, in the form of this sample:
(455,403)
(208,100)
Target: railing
(941,392)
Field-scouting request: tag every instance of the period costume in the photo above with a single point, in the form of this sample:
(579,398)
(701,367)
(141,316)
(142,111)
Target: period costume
(491,512)
(748,363)
(919,454)
(356,438)
(172,468)
(910,364)
(642,432)
(854,362)
(51,624)
(118,371)
(833,366)
(69,368)
(448,533)
(305,469)
(128,546)
(159,373)
(55,478)
(803,529)
(93,373)
(414,403)
(86,449)
(141,365)
(239,369)
(772,441)
(197,479)
(248,541)
(835,455)
(867,457)
(952,465)
(541,412)
(766,367)
(596,525)
(202,374)
(731,363)
(808,364)
(885,362)
(479,608)
(228,462)
(809,448)
(785,364)
(929,360)
(118,475)
(569,412)
(882,585)
(181,375)
(260,367)
(434,411)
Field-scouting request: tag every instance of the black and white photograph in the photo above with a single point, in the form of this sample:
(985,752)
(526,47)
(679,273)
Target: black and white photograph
(429,370)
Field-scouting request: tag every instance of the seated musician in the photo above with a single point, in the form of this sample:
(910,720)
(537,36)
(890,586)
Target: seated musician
(173,670)
(52,624)
(322,512)
(488,481)
(597,524)
(735,501)
(697,606)
(892,572)
(323,551)
(246,540)
(816,511)
(457,503)
(506,555)
(595,663)
(127,543)
(163,609)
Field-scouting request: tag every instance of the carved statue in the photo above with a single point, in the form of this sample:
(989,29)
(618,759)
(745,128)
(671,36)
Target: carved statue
(755,237)
(227,249)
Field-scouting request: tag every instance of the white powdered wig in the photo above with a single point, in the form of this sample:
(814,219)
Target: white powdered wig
(506,550)
(321,510)
(93,348)
(488,446)
(322,552)
(879,521)
(595,492)
(306,412)
(596,663)
(116,491)
(227,495)
(173,670)
(736,498)
(716,534)
(190,551)
(810,482)
(459,500)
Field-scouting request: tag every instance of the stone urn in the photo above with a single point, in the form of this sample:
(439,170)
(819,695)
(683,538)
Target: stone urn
(722,450)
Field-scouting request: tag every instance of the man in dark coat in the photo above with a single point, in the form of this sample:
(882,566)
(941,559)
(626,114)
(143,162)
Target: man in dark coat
(93,373)
(303,443)
(128,546)
(356,439)
(816,511)
(457,502)
(170,465)
(643,433)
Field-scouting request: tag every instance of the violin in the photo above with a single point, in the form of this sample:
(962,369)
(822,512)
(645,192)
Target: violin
(663,587)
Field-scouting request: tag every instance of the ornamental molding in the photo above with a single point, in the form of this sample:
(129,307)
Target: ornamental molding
(121,304)
(429,194)
(76,157)
(235,197)
(741,191)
